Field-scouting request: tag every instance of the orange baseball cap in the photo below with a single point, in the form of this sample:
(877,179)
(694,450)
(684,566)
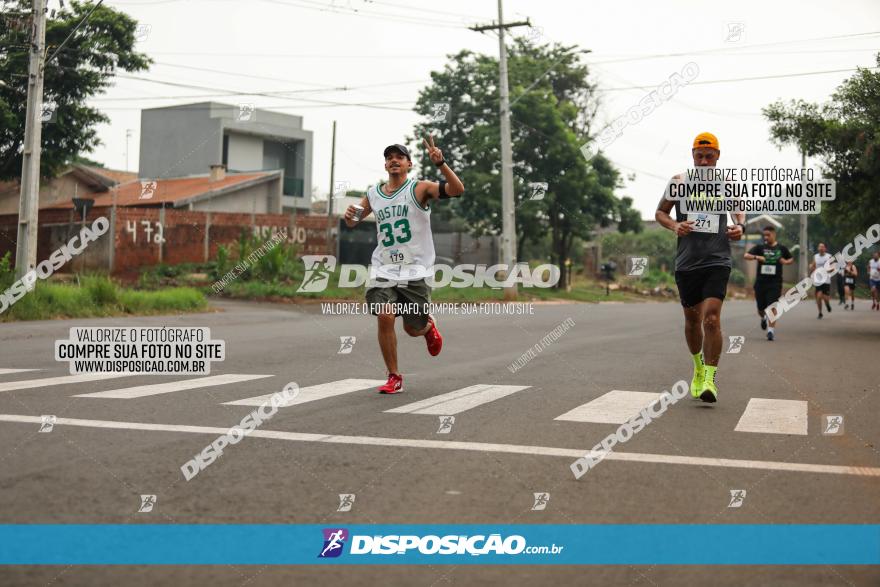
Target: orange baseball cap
(706,139)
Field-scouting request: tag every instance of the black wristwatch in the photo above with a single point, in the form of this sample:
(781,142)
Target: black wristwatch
(743,226)
(441,164)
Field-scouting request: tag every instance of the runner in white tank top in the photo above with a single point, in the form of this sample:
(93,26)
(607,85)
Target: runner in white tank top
(405,245)
(404,254)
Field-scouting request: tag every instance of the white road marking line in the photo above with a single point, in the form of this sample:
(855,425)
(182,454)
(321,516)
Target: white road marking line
(314,392)
(458,445)
(459,400)
(774,416)
(65,379)
(9,371)
(172,386)
(615,407)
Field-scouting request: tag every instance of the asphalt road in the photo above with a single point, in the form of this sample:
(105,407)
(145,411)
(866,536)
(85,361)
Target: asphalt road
(504,446)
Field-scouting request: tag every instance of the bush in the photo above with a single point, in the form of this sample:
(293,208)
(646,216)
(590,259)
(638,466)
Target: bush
(278,264)
(658,245)
(654,277)
(222,263)
(737,277)
(100,290)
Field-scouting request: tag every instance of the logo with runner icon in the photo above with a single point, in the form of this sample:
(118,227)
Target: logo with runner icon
(737,497)
(541,500)
(832,425)
(736,344)
(334,541)
(346,345)
(319,268)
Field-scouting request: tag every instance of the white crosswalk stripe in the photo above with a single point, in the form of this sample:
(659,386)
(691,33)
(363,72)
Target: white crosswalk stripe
(172,386)
(768,416)
(314,392)
(774,416)
(615,407)
(459,400)
(62,380)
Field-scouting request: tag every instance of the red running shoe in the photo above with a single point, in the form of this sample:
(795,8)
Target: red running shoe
(433,337)
(393,385)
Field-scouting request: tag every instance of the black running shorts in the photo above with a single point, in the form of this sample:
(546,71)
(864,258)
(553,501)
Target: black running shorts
(696,285)
(767,292)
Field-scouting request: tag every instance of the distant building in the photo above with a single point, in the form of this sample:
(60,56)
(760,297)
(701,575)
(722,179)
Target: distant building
(84,181)
(189,139)
(252,193)
(217,191)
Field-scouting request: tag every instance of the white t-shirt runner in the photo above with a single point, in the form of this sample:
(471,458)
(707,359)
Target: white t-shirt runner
(874,269)
(820,261)
(405,247)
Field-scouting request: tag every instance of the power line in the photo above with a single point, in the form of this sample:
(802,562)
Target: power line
(255,93)
(321,7)
(736,49)
(740,79)
(322,88)
(219,95)
(384,105)
(296,55)
(420,9)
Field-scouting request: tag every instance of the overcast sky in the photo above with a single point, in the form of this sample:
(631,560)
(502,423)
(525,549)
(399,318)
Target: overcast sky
(385,51)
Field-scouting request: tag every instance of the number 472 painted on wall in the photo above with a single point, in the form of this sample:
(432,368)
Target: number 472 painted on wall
(131,227)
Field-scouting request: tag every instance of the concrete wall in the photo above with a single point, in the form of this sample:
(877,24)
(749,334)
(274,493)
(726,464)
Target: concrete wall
(245,152)
(141,237)
(179,141)
(275,157)
(263,198)
(463,248)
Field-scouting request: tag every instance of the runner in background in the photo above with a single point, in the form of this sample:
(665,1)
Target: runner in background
(874,279)
(823,290)
(850,273)
(841,290)
(771,256)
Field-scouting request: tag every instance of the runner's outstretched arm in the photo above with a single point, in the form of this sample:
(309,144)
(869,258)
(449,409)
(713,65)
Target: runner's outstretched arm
(450,187)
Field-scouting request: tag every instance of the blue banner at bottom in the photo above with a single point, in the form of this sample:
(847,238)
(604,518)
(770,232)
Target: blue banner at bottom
(437,544)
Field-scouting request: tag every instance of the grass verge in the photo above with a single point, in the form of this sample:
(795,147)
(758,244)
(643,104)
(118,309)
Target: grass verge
(97,296)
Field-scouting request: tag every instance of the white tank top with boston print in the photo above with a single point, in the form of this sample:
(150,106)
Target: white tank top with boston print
(405,247)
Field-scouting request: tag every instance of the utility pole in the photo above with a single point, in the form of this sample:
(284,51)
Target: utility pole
(508,225)
(803,265)
(128,133)
(330,221)
(29,203)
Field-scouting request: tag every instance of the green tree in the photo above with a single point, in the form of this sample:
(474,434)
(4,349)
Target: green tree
(845,134)
(552,107)
(630,218)
(85,67)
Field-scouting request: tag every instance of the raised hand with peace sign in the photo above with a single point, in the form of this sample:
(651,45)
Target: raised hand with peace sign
(434,153)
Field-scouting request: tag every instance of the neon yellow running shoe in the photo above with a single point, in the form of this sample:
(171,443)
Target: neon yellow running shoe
(710,391)
(699,374)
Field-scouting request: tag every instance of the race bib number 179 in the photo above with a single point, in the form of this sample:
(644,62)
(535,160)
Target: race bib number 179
(397,256)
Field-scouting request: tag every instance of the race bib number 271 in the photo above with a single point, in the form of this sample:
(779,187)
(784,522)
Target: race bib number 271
(705,222)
